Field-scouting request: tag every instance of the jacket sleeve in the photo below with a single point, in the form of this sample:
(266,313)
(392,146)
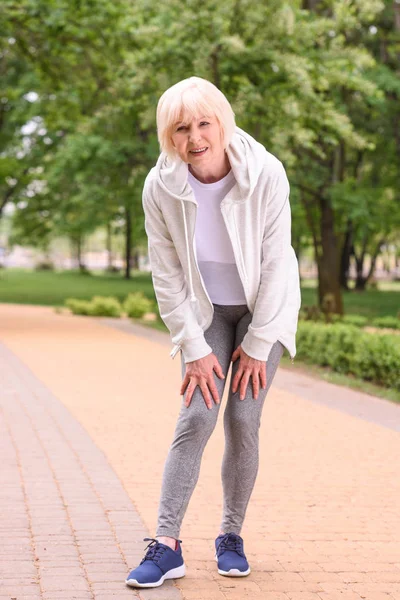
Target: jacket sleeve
(268,316)
(169,283)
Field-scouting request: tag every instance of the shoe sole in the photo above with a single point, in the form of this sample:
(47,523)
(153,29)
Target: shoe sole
(233,572)
(172,574)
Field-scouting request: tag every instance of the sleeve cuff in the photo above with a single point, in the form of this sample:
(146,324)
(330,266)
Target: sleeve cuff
(193,349)
(256,347)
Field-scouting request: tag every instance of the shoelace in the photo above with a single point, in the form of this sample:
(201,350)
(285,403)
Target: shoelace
(155,550)
(231,541)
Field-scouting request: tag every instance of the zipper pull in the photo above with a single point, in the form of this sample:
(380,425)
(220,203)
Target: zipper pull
(174,351)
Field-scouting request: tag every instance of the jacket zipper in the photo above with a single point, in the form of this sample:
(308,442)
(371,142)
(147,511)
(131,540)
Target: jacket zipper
(177,347)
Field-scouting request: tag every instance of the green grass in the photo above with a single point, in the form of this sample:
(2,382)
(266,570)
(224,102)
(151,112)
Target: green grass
(22,286)
(370,304)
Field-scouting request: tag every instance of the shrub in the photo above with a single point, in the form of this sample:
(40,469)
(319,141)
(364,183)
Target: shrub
(78,307)
(356,320)
(378,360)
(113,269)
(389,321)
(348,349)
(98,306)
(137,304)
(102,306)
(45,265)
(311,313)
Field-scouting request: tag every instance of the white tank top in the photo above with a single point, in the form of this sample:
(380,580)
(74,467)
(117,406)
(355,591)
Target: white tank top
(213,246)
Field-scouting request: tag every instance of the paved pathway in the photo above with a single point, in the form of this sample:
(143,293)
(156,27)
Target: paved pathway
(84,435)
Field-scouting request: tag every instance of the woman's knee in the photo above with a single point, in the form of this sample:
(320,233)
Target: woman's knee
(195,423)
(241,423)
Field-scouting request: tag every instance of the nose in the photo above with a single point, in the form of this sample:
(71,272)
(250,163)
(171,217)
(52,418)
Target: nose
(194,135)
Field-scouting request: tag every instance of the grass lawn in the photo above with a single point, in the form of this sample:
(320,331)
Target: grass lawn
(23,286)
(370,304)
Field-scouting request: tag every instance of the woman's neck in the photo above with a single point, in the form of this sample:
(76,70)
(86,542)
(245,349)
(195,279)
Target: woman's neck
(212,173)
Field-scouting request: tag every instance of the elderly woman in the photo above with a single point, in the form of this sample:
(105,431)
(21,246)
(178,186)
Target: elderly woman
(217,217)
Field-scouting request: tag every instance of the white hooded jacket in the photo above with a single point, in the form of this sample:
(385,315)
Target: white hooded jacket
(257,215)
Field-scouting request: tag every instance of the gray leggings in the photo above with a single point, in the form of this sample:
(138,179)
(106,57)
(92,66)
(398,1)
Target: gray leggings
(196,424)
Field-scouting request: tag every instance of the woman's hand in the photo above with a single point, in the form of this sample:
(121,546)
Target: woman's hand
(200,373)
(249,366)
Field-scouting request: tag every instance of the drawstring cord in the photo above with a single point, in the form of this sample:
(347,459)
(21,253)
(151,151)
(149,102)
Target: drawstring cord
(192,294)
(193,298)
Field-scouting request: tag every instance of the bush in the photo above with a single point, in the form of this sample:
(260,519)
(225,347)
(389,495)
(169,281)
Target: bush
(45,265)
(98,306)
(78,307)
(347,349)
(356,320)
(102,306)
(389,321)
(137,304)
(378,361)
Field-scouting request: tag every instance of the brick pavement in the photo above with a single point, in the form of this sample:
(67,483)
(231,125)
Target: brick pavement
(323,522)
(68,527)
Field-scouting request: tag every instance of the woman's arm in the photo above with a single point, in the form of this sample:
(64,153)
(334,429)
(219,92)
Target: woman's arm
(277,255)
(169,282)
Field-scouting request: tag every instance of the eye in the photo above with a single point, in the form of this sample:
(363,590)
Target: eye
(204,123)
(181,127)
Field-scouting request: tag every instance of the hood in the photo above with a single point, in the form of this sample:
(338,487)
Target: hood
(247,158)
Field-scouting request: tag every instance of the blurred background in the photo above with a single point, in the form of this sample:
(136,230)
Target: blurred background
(316,81)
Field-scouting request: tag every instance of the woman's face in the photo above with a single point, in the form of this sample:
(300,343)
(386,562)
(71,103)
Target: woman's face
(198,142)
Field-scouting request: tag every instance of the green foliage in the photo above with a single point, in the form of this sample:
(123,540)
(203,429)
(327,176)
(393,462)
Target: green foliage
(136,305)
(98,306)
(45,265)
(356,320)
(346,349)
(377,359)
(78,307)
(105,307)
(390,322)
(318,87)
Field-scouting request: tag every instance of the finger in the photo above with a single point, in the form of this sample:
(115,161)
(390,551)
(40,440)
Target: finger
(206,394)
(243,384)
(263,376)
(189,394)
(236,380)
(256,384)
(219,371)
(236,354)
(184,384)
(214,392)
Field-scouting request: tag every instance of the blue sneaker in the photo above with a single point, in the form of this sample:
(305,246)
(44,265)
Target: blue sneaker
(230,555)
(159,563)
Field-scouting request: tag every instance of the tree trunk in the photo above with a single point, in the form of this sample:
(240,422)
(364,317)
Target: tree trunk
(135,260)
(109,247)
(362,281)
(328,263)
(128,242)
(79,248)
(296,243)
(345,256)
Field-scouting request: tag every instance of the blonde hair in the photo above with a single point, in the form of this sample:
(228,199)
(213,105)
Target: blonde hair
(186,100)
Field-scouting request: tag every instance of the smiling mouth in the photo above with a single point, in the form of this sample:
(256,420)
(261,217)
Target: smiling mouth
(198,151)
